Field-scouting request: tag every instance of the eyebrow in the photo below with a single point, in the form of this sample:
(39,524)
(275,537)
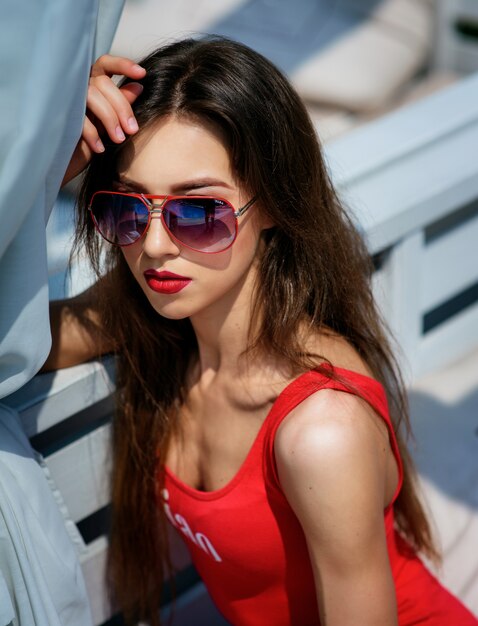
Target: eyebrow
(187,185)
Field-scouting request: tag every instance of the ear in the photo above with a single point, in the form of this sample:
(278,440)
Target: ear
(265,229)
(265,221)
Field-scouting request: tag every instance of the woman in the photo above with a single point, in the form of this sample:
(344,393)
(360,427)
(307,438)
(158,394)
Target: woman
(253,369)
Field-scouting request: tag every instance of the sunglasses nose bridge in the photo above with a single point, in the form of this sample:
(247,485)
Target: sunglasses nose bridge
(156,210)
(155,206)
(157,236)
(155,203)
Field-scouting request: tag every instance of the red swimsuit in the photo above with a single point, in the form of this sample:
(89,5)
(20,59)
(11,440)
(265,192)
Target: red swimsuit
(249,547)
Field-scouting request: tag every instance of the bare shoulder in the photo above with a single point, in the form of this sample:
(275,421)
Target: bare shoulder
(331,423)
(334,443)
(331,452)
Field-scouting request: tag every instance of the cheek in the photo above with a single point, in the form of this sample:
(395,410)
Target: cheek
(244,255)
(244,249)
(131,255)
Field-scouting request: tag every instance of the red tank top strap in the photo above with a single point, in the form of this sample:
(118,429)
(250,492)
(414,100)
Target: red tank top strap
(347,381)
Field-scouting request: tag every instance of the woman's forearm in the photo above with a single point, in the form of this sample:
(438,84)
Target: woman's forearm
(76,332)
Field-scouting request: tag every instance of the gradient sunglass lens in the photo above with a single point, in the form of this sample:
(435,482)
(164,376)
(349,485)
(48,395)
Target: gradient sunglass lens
(204,224)
(120,219)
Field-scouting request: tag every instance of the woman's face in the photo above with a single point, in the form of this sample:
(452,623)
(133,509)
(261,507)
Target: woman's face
(188,157)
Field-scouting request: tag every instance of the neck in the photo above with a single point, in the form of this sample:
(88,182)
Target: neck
(222,331)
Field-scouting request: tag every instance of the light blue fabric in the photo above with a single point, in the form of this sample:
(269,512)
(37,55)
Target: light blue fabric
(41,579)
(46,50)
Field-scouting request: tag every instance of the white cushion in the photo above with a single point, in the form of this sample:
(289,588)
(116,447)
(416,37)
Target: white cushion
(363,69)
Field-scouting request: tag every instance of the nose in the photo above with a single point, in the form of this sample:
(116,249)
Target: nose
(157,241)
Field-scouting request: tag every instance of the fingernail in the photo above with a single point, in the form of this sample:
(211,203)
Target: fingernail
(99,146)
(138,67)
(132,124)
(120,133)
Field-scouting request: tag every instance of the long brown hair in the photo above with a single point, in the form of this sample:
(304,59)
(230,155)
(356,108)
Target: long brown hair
(315,269)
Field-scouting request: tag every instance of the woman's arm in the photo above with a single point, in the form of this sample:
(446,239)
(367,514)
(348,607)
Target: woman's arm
(331,455)
(77,335)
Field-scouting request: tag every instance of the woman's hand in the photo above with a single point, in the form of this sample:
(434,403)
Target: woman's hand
(108,109)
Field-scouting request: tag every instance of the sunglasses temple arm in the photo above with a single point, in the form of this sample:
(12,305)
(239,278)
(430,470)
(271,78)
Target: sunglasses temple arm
(241,211)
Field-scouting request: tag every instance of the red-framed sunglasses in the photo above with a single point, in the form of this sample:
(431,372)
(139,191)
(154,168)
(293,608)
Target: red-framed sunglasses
(201,223)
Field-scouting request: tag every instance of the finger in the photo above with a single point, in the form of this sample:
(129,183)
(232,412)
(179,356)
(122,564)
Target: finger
(131,91)
(119,100)
(104,112)
(110,65)
(91,137)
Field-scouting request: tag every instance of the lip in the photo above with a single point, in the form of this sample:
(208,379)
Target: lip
(166,282)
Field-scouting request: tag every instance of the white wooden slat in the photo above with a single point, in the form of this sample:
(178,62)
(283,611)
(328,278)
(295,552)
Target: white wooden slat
(448,342)
(450,264)
(80,471)
(401,304)
(52,397)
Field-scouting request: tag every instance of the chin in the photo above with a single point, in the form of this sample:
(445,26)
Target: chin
(171,315)
(172,310)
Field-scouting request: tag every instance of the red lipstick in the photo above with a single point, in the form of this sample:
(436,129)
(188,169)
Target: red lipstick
(165,282)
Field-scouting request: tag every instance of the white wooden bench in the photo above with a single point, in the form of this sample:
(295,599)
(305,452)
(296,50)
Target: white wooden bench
(411,179)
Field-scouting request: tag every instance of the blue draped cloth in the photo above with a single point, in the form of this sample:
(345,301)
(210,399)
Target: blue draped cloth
(46,50)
